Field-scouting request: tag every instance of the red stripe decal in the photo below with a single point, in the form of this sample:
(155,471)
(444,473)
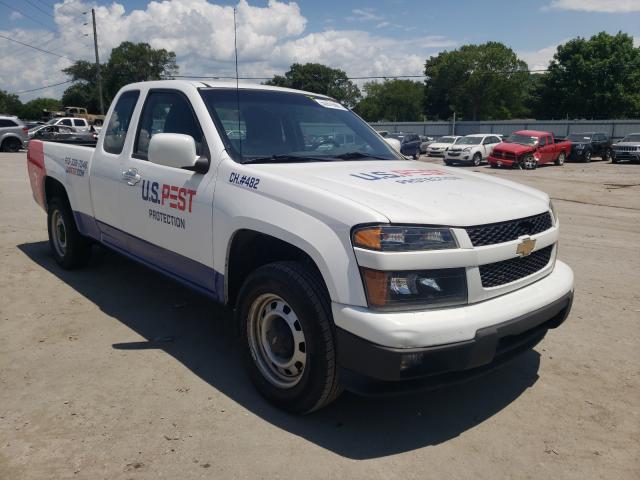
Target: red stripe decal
(35,167)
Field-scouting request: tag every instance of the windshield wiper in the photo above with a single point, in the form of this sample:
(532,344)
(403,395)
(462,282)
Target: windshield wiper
(285,159)
(357,155)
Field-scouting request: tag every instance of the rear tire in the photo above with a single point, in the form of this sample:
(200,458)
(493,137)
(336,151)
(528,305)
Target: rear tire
(606,154)
(587,156)
(11,144)
(70,249)
(560,160)
(284,313)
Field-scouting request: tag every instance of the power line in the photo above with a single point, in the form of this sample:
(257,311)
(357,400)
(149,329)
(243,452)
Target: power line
(36,48)
(26,15)
(40,88)
(39,9)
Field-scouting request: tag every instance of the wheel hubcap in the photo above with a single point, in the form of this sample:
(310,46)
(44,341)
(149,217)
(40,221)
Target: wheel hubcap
(277,341)
(59,233)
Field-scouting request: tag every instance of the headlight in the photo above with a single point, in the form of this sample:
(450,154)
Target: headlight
(392,238)
(421,289)
(553,213)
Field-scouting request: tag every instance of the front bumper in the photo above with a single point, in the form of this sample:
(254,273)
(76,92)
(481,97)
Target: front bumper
(631,156)
(410,345)
(502,162)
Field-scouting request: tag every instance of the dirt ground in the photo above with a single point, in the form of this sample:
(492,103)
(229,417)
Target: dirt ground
(116,372)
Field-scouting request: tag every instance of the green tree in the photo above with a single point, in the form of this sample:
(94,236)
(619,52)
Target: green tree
(10,104)
(318,78)
(392,100)
(477,82)
(598,77)
(32,110)
(128,63)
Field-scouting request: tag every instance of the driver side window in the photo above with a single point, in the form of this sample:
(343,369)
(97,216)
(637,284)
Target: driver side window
(542,142)
(166,112)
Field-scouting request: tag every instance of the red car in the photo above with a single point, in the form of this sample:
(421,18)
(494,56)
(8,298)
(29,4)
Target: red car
(528,149)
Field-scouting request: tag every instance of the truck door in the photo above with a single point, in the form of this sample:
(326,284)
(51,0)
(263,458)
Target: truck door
(544,149)
(106,171)
(168,212)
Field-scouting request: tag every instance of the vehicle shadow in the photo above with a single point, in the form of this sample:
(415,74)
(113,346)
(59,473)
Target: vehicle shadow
(199,334)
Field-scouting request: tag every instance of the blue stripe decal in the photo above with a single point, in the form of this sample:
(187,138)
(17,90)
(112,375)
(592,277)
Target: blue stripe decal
(183,269)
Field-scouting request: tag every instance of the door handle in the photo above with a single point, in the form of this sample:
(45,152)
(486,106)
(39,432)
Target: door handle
(131,176)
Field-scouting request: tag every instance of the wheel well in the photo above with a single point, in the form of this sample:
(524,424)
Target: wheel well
(250,250)
(53,188)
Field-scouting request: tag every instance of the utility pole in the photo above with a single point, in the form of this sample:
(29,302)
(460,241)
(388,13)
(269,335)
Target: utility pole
(453,126)
(99,76)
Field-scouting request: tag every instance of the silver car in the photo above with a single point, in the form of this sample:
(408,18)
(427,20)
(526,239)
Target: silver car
(13,134)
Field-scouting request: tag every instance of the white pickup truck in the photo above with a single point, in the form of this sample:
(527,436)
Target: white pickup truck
(347,265)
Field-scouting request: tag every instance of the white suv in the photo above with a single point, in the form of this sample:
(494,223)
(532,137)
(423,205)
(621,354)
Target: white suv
(80,124)
(472,149)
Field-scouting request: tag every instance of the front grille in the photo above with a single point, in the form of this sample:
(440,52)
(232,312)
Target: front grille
(501,232)
(505,155)
(625,149)
(506,271)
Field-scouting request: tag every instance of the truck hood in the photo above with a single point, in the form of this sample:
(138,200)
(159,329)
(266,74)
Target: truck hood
(513,148)
(440,145)
(415,192)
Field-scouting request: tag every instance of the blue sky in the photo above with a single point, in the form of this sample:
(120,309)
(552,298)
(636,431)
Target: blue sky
(362,37)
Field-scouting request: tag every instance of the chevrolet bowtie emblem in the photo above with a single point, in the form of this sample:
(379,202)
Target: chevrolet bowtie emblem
(525,247)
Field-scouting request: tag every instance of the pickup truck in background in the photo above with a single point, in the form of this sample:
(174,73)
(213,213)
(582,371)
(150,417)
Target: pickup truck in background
(347,266)
(584,146)
(529,148)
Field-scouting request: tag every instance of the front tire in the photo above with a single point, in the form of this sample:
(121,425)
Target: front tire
(560,160)
(70,249)
(287,329)
(477,159)
(606,155)
(587,156)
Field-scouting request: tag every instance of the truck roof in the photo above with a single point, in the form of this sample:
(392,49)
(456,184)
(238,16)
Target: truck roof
(214,84)
(533,133)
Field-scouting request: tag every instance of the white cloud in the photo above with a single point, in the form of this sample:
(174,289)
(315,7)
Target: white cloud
(602,6)
(364,15)
(270,39)
(15,15)
(539,59)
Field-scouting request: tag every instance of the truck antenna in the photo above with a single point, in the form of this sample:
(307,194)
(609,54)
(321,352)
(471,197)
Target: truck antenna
(235,46)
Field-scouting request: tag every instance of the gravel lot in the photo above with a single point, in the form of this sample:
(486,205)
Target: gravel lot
(116,372)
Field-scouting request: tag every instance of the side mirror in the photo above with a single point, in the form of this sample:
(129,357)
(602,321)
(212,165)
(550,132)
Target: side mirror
(176,150)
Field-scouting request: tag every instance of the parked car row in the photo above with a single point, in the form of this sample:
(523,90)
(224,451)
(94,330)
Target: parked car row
(524,149)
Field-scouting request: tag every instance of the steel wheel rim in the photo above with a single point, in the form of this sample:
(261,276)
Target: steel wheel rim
(477,159)
(587,156)
(59,233)
(529,163)
(561,159)
(276,341)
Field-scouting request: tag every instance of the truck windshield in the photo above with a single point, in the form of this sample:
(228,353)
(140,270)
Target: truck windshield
(522,139)
(274,127)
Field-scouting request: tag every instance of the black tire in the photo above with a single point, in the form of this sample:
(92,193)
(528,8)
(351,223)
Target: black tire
(561,158)
(11,144)
(416,155)
(606,154)
(70,249)
(316,382)
(586,157)
(493,165)
(448,163)
(477,159)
